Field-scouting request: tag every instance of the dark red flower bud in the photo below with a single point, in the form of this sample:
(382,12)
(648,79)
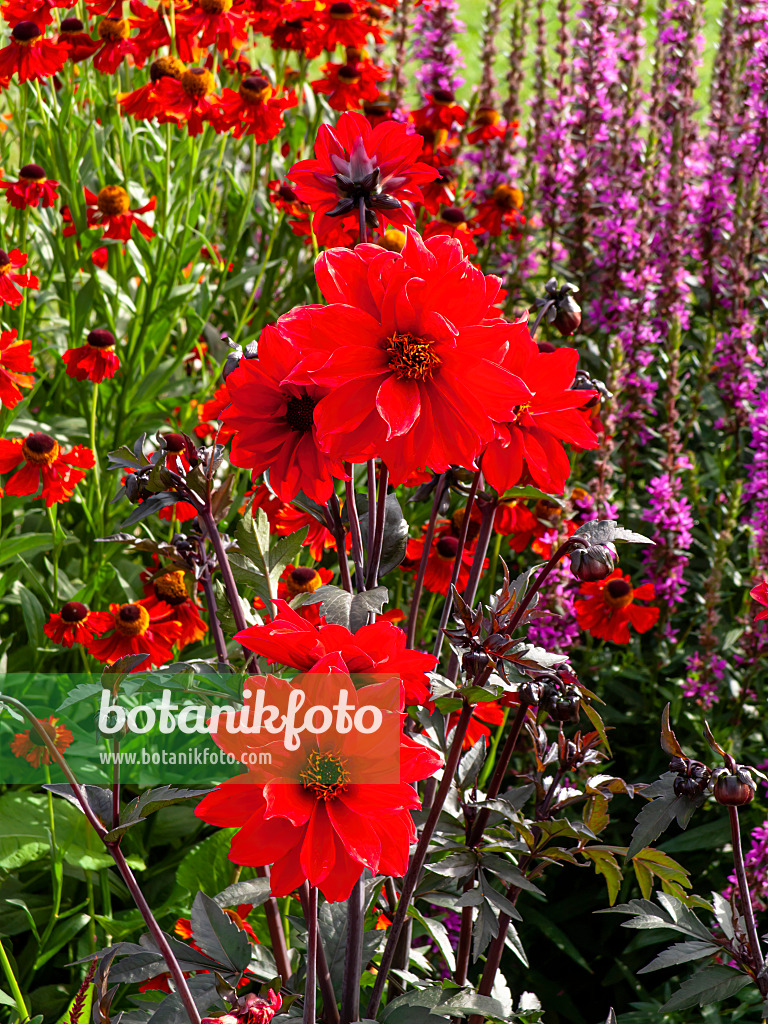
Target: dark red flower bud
(32,172)
(733,791)
(101,338)
(594,563)
(74,611)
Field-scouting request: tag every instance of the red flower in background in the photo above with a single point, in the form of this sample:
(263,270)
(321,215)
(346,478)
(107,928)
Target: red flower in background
(412,347)
(274,421)
(29,55)
(189,100)
(349,86)
(533,438)
(169,589)
(139,628)
(115,46)
(483,717)
(319,538)
(39,12)
(610,607)
(325,816)
(43,461)
(31,188)
(30,746)
(344,24)
(16,368)
(76,40)
(111,210)
(487,124)
(252,110)
(355,164)
(501,210)
(439,113)
(11,281)
(75,624)
(94,361)
(372,650)
(453,222)
(760,594)
(144,103)
(212,23)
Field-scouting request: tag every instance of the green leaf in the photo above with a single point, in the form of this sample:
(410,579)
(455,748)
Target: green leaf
(708,986)
(149,802)
(439,933)
(34,616)
(218,936)
(207,865)
(28,543)
(606,865)
(680,953)
(656,817)
(254,891)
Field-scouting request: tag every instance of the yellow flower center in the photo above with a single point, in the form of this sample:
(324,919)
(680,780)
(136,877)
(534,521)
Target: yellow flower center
(412,358)
(325,774)
(507,197)
(255,90)
(170,588)
(166,67)
(392,240)
(487,116)
(113,200)
(197,82)
(112,29)
(132,620)
(40,449)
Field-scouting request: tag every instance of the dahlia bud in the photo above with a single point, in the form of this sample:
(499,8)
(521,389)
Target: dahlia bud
(734,790)
(560,307)
(133,488)
(593,563)
(564,709)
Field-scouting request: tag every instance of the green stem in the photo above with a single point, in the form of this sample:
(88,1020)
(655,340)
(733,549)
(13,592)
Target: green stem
(21,1006)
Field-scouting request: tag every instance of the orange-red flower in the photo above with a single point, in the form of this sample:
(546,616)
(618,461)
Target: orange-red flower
(439,114)
(115,46)
(75,624)
(483,717)
(94,361)
(190,100)
(349,86)
(440,561)
(343,23)
(77,42)
(170,589)
(501,210)
(487,124)
(30,55)
(39,12)
(42,460)
(11,281)
(30,746)
(453,221)
(533,438)
(610,607)
(139,628)
(31,188)
(252,110)
(16,368)
(213,23)
(110,210)
(143,103)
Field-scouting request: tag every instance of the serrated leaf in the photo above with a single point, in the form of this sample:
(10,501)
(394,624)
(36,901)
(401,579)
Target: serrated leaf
(361,604)
(606,865)
(254,891)
(471,763)
(656,817)
(99,799)
(438,933)
(680,953)
(395,539)
(148,507)
(218,936)
(708,986)
(149,802)
(335,604)
(83,691)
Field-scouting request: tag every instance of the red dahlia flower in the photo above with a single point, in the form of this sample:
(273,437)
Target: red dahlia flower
(110,209)
(138,628)
(16,368)
(252,110)
(372,650)
(760,594)
(274,421)
(32,188)
(412,347)
(76,625)
(43,460)
(356,165)
(188,101)
(533,436)
(30,746)
(170,589)
(610,606)
(348,86)
(10,262)
(29,55)
(324,816)
(94,361)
